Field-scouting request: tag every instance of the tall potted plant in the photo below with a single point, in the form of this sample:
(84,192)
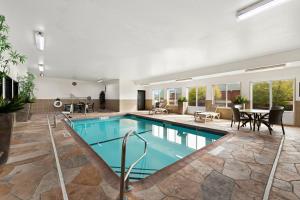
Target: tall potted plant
(182,105)
(8,57)
(241,100)
(27,86)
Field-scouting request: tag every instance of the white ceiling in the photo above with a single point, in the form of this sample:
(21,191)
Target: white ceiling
(140,39)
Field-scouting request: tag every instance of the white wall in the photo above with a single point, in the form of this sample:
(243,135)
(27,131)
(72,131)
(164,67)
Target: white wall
(245,79)
(50,88)
(112,89)
(128,89)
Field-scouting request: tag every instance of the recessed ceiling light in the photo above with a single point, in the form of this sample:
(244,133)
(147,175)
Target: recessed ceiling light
(39,40)
(257,7)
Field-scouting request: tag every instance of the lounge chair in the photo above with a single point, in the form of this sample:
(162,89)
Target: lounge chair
(209,114)
(161,109)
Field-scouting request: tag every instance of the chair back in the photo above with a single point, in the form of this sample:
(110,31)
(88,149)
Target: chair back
(275,116)
(236,114)
(163,104)
(213,108)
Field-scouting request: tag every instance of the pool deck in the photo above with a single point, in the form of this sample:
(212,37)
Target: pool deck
(237,167)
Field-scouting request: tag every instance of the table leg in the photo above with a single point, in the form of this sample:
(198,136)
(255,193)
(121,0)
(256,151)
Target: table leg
(254,121)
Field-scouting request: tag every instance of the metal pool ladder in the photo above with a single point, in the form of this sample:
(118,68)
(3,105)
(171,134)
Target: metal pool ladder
(124,182)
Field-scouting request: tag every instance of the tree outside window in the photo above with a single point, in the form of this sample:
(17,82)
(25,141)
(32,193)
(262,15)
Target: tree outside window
(273,93)
(201,96)
(192,96)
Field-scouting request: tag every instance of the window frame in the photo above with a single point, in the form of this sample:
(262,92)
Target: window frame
(226,92)
(271,92)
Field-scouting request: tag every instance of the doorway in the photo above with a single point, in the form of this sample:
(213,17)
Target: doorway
(141,100)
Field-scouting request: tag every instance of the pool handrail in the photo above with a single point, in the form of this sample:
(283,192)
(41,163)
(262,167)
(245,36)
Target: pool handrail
(65,116)
(125,177)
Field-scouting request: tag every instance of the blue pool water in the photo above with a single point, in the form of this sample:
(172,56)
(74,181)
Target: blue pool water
(166,143)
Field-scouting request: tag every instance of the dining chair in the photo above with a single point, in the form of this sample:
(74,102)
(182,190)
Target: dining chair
(274,117)
(237,117)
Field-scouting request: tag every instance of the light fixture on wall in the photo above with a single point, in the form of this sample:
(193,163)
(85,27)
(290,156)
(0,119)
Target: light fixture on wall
(100,81)
(266,68)
(257,8)
(42,74)
(39,40)
(41,68)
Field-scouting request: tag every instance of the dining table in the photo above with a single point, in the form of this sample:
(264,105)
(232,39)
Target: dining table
(256,113)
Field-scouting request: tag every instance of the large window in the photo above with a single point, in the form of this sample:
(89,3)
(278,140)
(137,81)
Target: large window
(273,93)
(192,98)
(224,94)
(173,94)
(197,96)
(157,96)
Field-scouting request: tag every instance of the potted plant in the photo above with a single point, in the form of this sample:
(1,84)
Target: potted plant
(182,105)
(8,57)
(241,100)
(26,84)
(102,100)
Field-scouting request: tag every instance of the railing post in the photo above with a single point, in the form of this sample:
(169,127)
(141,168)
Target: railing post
(123,159)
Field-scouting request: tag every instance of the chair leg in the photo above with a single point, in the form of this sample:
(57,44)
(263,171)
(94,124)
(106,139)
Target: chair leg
(231,122)
(239,125)
(250,125)
(270,130)
(282,129)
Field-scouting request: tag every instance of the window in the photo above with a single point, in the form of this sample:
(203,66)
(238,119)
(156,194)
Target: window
(192,96)
(201,96)
(283,93)
(157,96)
(233,90)
(273,93)
(224,94)
(220,95)
(197,96)
(172,95)
(261,95)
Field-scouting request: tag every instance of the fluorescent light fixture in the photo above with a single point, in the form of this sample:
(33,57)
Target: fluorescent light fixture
(39,40)
(161,82)
(219,74)
(41,67)
(266,68)
(100,81)
(184,80)
(257,8)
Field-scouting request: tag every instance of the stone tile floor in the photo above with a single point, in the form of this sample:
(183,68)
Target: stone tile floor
(237,168)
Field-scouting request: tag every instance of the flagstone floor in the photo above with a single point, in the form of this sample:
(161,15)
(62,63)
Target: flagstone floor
(237,167)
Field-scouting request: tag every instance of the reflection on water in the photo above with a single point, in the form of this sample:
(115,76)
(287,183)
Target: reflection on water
(190,140)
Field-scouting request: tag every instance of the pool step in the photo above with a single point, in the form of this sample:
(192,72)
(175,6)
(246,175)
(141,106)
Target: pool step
(136,173)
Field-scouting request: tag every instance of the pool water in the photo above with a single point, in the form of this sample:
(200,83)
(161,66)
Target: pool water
(167,143)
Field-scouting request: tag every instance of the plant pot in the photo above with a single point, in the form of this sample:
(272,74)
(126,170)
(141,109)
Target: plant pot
(182,107)
(6,128)
(24,114)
